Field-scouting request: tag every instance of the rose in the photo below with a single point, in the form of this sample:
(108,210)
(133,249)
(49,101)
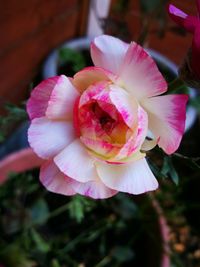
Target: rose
(92,128)
(191,24)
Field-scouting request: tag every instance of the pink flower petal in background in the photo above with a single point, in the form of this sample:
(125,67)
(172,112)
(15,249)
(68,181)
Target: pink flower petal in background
(48,138)
(167,119)
(134,178)
(181,18)
(191,24)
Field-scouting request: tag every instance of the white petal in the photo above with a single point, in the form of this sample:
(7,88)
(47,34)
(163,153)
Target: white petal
(134,178)
(140,75)
(48,138)
(75,162)
(108,52)
(167,119)
(94,189)
(62,100)
(54,180)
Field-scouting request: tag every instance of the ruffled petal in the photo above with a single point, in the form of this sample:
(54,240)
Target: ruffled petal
(75,162)
(134,178)
(62,100)
(125,104)
(167,119)
(94,189)
(100,147)
(108,52)
(134,143)
(54,180)
(37,103)
(47,138)
(89,76)
(139,74)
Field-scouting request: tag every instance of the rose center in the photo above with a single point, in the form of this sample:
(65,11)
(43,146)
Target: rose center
(106,121)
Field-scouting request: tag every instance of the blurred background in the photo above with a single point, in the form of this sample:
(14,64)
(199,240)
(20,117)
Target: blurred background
(41,38)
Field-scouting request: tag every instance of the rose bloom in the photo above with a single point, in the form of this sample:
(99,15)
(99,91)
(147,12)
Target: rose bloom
(92,129)
(190,24)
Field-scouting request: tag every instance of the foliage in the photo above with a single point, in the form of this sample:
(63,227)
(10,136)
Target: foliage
(15,114)
(75,58)
(43,229)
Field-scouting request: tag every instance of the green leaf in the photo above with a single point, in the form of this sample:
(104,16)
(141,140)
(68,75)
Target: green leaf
(40,243)
(39,211)
(149,6)
(78,206)
(55,263)
(177,86)
(123,254)
(169,169)
(73,57)
(195,102)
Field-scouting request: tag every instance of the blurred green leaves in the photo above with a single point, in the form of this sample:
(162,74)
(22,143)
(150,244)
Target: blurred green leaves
(149,6)
(74,58)
(78,206)
(14,114)
(169,170)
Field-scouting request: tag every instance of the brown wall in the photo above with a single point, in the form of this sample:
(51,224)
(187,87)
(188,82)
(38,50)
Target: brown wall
(29,30)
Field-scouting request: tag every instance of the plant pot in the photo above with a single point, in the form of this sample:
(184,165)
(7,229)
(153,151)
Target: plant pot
(18,162)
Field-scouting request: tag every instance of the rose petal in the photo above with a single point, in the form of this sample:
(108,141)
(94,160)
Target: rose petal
(54,180)
(37,103)
(95,92)
(125,104)
(101,147)
(135,141)
(167,119)
(108,52)
(149,144)
(62,100)
(75,162)
(90,75)
(134,178)
(94,189)
(47,138)
(139,74)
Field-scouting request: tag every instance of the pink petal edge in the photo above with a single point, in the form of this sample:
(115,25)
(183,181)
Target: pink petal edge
(38,101)
(167,116)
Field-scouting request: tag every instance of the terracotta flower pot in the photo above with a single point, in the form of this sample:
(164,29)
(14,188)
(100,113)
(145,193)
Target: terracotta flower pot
(18,162)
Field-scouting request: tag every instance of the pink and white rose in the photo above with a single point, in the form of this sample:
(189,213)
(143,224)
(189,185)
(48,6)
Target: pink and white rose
(92,129)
